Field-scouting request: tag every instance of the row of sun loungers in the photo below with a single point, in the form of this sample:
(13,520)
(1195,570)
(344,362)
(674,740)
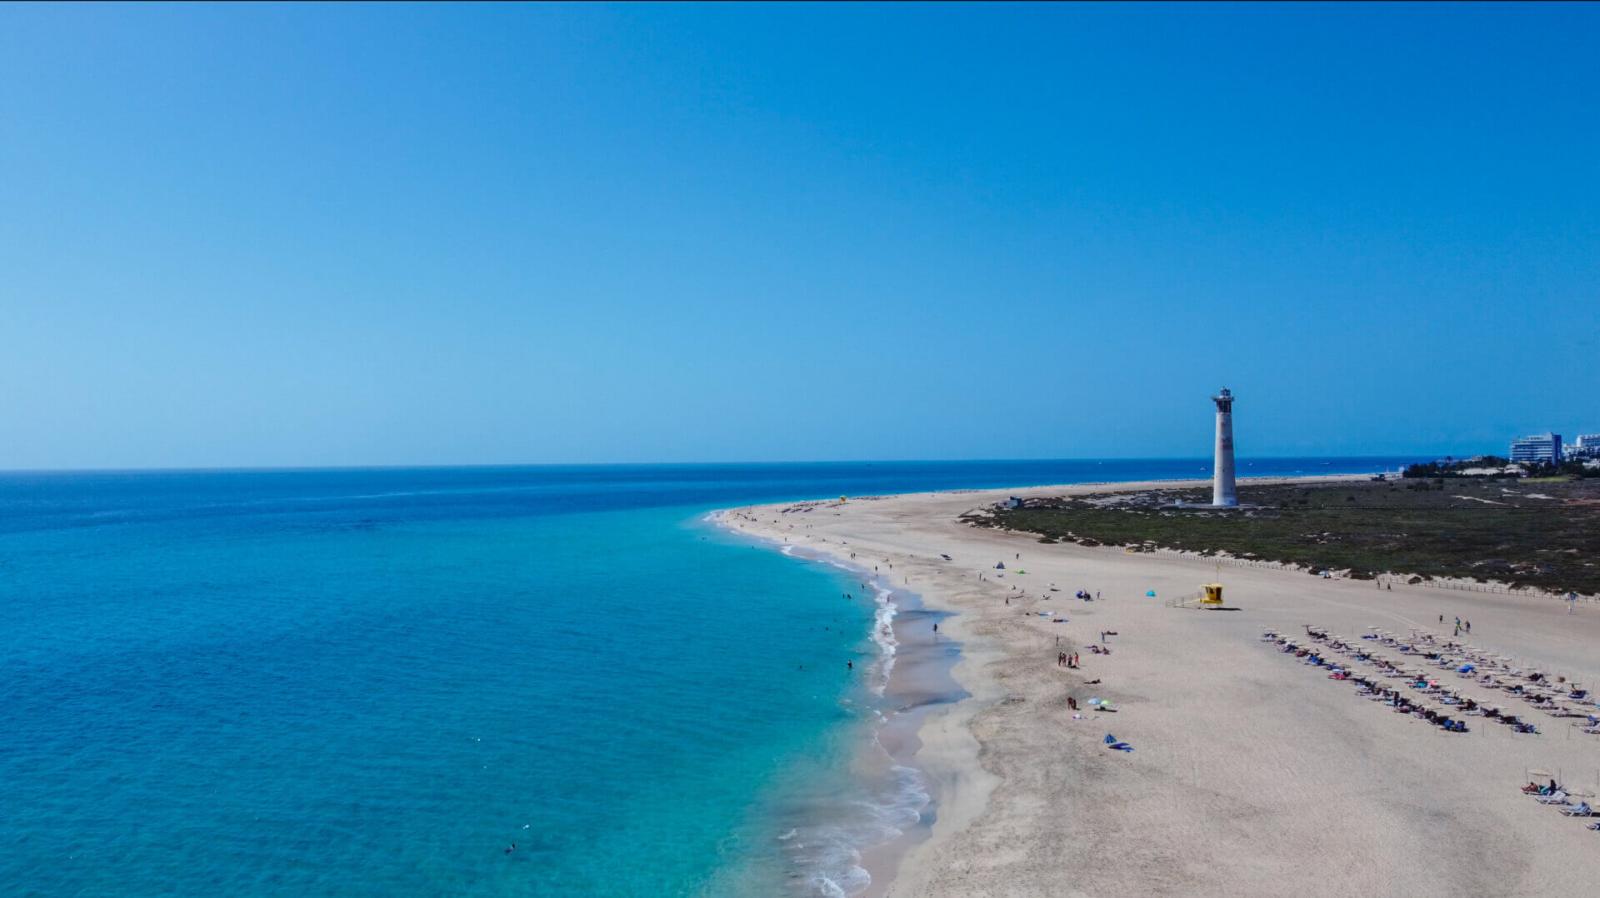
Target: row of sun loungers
(1555,697)
(1494,672)
(1556,797)
(1481,671)
(1369,688)
(1469,663)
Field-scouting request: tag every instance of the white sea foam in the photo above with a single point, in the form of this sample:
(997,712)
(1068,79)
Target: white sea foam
(829,854)
(882,625)
(883,635)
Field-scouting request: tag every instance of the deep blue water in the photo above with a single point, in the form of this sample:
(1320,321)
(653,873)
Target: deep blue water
(372,682)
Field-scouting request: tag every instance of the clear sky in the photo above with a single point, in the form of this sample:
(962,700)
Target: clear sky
(389,235)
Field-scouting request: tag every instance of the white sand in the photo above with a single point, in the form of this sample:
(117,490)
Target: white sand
(1253,774)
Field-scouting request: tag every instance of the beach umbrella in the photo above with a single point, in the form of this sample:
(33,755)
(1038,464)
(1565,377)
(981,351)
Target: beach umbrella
(1151,593)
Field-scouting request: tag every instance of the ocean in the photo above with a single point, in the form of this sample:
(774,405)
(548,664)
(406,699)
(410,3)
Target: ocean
(376,682)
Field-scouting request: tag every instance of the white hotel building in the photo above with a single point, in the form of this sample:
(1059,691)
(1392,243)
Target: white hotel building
(1541,447)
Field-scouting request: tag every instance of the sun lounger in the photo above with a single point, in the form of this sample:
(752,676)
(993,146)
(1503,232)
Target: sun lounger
(1581,809)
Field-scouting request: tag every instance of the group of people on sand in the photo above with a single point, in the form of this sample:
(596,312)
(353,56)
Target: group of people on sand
(1555,796)
(1461,625)
(1065,660)
(1533,788)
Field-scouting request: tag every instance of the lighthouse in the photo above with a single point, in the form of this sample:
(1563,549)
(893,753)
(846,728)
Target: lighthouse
(1222,493)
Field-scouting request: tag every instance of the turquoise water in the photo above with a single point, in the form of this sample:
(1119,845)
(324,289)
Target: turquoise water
(375,682)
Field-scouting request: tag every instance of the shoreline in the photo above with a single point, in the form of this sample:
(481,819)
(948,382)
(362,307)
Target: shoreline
(991,757)
(914,680)
(937,738)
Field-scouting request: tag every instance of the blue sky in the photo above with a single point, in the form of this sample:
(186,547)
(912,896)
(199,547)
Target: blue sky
(389,235)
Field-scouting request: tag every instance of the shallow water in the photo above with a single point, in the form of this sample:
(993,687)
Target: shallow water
(375,682)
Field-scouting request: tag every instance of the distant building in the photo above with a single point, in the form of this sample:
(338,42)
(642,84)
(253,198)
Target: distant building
(1587,446)
(1541,447)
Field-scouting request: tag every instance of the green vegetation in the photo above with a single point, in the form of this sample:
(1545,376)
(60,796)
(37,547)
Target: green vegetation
(1454,467)
(1544,535)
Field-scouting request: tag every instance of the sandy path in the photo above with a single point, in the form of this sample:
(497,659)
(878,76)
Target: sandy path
(1253,774)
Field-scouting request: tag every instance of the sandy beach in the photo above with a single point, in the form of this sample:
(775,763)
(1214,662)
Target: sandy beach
(1252,773)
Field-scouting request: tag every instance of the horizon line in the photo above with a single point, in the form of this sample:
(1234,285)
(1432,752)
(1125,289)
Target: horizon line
(219,469)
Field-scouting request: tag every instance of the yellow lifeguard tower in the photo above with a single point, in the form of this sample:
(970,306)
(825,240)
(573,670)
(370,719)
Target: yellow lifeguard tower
(1212,594)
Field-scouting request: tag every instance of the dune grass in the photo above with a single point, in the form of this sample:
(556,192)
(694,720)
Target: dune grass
(1544,534)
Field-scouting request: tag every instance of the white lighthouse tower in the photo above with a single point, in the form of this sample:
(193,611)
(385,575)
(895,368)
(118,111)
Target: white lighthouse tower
(1222,492)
